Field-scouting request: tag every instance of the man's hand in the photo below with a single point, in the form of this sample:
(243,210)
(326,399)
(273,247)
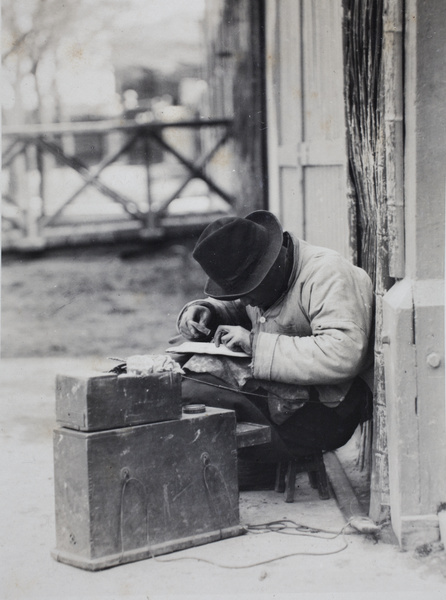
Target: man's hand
(195,321)
(233,337)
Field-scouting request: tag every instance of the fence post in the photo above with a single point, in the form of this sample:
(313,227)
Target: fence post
(19,188)
(150,218)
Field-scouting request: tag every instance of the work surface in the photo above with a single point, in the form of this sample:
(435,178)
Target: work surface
(316,566)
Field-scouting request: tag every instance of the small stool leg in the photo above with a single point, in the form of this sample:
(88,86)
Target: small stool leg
(314,479)
(290,481)
(322,482)
(280,477)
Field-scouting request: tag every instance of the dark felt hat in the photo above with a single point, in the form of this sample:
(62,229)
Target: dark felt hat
(237,253)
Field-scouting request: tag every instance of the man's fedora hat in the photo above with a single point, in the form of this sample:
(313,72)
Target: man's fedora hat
(237,253)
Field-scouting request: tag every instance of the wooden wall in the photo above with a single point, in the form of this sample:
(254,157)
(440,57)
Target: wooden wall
(414,311)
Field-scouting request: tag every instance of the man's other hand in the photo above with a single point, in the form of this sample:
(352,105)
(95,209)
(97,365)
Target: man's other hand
(195,322)
(233,337)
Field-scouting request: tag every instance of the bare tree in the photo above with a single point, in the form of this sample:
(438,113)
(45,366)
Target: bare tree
(34,32)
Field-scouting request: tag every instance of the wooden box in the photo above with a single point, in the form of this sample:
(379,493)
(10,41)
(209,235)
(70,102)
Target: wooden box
(131,493)
(105,401)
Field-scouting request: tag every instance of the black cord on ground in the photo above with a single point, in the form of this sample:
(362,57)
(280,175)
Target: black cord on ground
(274,527)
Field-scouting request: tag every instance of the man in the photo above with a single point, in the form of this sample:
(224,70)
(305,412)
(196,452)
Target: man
(303,315)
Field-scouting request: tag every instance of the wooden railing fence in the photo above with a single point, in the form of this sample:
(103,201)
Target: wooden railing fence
(32,221)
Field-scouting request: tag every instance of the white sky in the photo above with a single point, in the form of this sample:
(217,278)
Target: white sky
(157,34)
(153,11)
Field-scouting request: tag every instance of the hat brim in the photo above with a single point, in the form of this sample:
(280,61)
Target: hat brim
(259,272)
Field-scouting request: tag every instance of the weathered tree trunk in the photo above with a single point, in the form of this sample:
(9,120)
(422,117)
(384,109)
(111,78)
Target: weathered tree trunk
(364,93)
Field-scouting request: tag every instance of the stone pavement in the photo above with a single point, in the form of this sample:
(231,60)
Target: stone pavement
(330,566)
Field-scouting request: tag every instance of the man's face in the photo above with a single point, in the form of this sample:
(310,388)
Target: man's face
(272,286)
(264,295)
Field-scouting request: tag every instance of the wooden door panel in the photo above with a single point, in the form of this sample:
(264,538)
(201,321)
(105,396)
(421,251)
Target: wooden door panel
(322,66)
(307,153)
(326,222)
(290,80)
(291,206)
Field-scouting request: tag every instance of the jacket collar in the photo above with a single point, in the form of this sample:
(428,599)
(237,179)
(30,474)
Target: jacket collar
(292,245)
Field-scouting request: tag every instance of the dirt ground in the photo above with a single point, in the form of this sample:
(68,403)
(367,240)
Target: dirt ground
(255,566)
(114,300)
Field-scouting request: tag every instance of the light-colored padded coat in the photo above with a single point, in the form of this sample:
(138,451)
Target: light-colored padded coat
(319,332)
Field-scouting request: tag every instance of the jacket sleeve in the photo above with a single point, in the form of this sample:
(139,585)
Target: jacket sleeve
(337,300)
(223,313)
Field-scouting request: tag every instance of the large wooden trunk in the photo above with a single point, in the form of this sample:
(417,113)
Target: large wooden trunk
(131,493)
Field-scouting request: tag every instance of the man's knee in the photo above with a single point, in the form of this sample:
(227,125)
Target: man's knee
(206,389)
(194,391)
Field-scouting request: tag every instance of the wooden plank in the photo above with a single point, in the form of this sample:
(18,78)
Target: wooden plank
(326,211)
(48,129)
(323,150)
(11,152)
(430,344)
(290,61)
(342,488)
(346,498)
(272,100)
(306,115)
(323,99)
(394,129)
(252,434)
(292,209)
(290,120)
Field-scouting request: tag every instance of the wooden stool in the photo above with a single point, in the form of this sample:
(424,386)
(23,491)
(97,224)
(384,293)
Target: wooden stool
(313,464)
